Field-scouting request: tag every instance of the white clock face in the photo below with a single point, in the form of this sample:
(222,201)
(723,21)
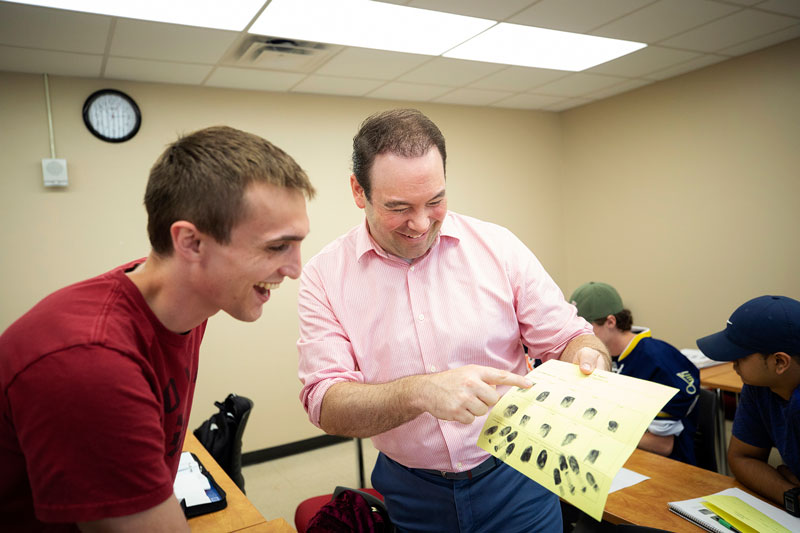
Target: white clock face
(112,117)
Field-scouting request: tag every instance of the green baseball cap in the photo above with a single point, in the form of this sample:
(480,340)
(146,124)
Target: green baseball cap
(596,300)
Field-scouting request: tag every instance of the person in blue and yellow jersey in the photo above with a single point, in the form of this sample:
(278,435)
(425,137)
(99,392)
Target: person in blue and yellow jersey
(636,353)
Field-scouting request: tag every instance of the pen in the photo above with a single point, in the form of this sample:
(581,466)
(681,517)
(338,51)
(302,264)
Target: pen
(726,525)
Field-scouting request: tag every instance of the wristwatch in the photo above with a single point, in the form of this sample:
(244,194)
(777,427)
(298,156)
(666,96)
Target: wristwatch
(791,501)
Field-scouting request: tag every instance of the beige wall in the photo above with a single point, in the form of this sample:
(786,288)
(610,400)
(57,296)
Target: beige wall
(503,166)
(684,194)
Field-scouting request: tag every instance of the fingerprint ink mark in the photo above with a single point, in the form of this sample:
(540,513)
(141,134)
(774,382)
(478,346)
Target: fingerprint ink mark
(573,464)
(526,454)
(556,476)
(541,459)
(562,463)
(511,436)
(543,396)
(505,431)
(497,448)
(571,487)
(569,437)
(544,429)
(525,419)
(510,410)
(509,449)
(590,413)
(592,482)
(591,457)
(489,432)
(613,426)
(567,401)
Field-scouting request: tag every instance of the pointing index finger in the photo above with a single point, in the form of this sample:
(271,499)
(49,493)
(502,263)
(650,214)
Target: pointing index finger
(502,377)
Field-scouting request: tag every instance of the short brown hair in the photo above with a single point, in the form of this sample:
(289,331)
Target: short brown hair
(624,320)
(202,178)
(404,132)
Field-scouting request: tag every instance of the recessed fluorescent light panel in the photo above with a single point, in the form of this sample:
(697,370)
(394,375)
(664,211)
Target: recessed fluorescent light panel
(368,24)
(526,46)
(217,14)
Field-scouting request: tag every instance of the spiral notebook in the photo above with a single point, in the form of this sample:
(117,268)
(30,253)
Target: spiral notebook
(735,512)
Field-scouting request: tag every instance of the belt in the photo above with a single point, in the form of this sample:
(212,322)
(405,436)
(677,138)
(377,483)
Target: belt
(486,466)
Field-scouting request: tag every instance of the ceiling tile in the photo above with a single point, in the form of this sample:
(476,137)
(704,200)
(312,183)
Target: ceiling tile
(472,97)
(732,30)
(450,72)
(156,71)
(53,29)
(408,91)
(762,42)
(527,101)
(643,61)
(693,64)
(576,15)
(623,87)
(258,80)
(335,85)
(46,61)
(473,8)
(568,103)
(578,84)
(518,79)
(372,64)
(169,42)
(787,7)
(663,19)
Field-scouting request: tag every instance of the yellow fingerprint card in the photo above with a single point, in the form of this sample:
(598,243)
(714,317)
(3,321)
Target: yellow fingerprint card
(571,433)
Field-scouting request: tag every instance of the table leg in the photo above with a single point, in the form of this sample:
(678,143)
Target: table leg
(360,458)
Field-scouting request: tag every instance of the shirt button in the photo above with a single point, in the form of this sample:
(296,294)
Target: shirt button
(460,465)
(433,368)
(412,269)
(421,317)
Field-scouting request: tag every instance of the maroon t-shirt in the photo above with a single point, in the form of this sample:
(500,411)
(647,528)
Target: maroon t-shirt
(95,395)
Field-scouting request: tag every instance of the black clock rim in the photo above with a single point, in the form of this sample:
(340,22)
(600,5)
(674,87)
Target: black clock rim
(97,94)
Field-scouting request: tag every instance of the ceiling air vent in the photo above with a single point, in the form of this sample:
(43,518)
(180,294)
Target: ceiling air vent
(286,54)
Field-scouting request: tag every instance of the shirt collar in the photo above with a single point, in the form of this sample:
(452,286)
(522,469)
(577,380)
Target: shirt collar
(634,341)
(365,243)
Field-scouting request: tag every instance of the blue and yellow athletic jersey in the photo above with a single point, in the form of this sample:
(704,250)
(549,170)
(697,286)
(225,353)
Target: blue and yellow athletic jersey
(655,360)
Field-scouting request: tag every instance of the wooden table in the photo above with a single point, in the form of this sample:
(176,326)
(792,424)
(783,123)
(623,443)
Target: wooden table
(240,515)
(721,378)
(645,503)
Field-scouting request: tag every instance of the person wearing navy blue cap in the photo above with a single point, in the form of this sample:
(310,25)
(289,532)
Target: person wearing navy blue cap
(762,338)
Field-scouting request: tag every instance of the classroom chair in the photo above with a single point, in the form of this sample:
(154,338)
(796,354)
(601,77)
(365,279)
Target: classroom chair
(308,509)
(705,437)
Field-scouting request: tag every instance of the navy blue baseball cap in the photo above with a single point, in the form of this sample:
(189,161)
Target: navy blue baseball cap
(766,325)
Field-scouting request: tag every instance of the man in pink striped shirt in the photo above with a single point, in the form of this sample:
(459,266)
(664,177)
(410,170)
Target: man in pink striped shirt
(411,328)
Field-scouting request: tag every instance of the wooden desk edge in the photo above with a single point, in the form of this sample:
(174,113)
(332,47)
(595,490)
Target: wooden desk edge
(254,521)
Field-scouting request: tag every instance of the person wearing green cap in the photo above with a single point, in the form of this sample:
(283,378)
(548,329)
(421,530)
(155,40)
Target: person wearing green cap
(636,353)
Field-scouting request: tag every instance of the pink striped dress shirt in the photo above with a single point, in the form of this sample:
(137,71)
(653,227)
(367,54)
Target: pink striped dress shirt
(473,298)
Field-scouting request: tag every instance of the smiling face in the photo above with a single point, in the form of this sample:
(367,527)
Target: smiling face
(264,248)
(407,204)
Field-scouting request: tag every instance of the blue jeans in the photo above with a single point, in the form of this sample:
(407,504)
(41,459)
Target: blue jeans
(500,500)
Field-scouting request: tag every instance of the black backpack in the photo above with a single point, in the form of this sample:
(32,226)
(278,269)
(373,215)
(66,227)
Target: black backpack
(222,433)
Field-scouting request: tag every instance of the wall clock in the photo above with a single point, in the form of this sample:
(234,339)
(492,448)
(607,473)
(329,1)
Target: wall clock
(111,115)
